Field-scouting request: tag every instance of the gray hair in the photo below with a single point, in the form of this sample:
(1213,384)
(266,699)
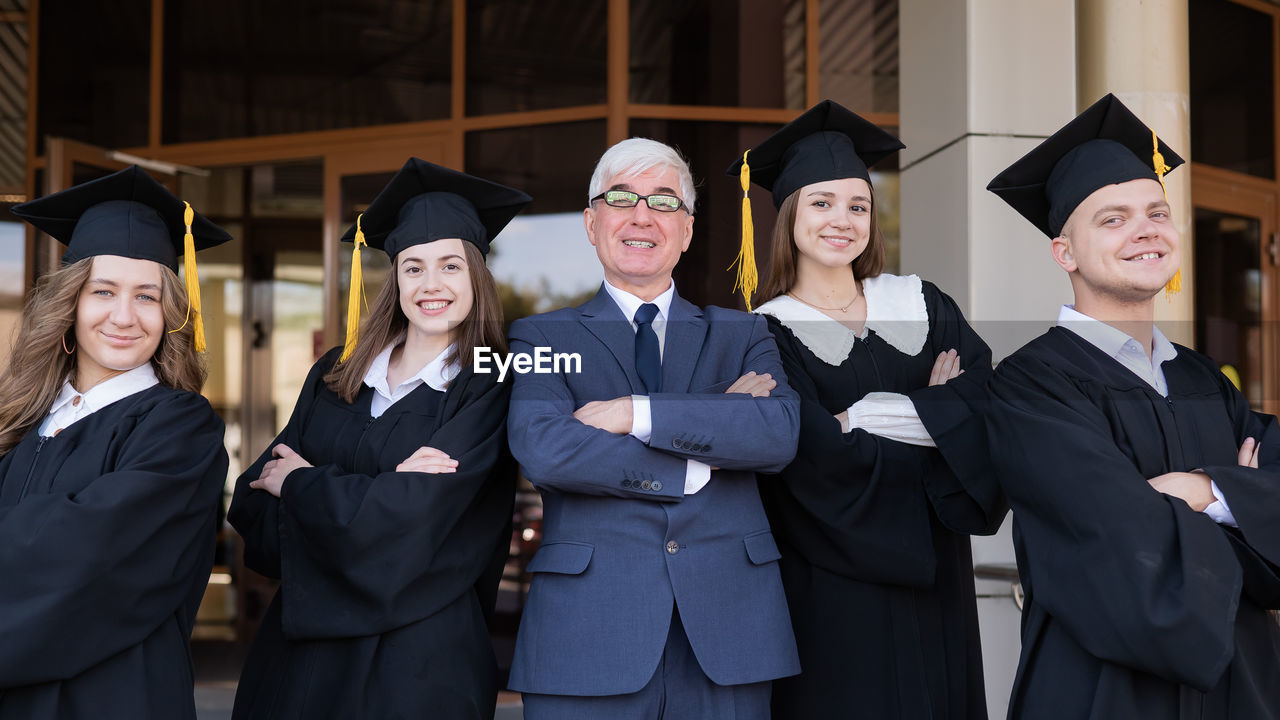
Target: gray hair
(635,156)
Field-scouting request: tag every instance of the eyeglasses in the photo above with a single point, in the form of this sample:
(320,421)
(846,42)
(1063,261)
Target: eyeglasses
(627,199)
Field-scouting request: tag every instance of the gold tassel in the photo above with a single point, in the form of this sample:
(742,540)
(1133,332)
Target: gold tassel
(192,281)
(748,278)
(1174,286)
(354,294)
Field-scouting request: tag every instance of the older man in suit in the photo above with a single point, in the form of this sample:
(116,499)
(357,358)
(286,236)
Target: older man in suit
(656,590)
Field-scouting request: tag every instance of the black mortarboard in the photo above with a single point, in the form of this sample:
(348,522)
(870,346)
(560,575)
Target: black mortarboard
(827,142)
(425,202)
(1104,145)
(126,213)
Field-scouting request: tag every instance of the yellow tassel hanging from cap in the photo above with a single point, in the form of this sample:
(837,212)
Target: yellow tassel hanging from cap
(748,278)
(1174,286)
(192,281)
(355,293)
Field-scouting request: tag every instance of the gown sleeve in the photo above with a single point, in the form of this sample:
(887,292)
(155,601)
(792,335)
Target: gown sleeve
(91,574)
(256,514)
(959,478)
(862,489)
(1136,577)
(1254,497)
(364,554)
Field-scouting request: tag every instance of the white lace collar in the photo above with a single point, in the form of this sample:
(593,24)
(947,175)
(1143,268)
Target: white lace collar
(895,311)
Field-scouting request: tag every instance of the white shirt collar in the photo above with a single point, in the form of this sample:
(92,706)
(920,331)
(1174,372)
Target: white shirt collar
(435,373)
(1112,340)
(629,303)
(66,410)
(1122,347)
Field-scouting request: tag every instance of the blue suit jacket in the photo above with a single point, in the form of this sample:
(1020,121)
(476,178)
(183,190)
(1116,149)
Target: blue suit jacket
(620,540)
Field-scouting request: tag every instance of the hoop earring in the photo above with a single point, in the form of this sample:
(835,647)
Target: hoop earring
(64,345)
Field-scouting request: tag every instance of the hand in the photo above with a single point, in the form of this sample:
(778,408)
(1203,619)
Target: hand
(428,460)
(945,368)
(613,416)
(753,385)
(275,471)
(843,418)
(1248,456)
(1193,488)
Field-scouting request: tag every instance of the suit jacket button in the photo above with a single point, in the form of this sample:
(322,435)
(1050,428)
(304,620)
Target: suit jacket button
(675,443)
(673,547)
(626,483)
(646,485)
(696,447)
(656,486)
(706,448)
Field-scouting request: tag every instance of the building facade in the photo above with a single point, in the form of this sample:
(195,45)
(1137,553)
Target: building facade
(281,120)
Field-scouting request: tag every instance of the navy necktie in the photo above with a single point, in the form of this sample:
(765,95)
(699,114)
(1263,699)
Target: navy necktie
(648,361)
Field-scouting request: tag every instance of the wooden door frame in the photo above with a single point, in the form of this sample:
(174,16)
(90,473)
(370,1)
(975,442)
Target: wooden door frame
(1239,194)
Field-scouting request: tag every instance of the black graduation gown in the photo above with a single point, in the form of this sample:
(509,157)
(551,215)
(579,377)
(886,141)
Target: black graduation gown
(1136,605)
(874,533)
(387,579)
(106,542)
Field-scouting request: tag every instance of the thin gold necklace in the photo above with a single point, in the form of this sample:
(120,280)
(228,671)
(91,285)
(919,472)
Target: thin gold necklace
(819,307)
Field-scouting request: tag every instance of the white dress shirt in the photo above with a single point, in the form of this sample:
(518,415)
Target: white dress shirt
(72,405)
(1129,352)
(697,474)
(435,374)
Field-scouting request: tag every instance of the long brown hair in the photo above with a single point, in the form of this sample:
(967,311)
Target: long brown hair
(39,364)
(784,255)
(386,322)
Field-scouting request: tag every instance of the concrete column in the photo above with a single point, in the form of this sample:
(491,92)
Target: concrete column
(983,82)
(1140,52)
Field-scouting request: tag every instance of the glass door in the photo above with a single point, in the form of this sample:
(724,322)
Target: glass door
(1237,258)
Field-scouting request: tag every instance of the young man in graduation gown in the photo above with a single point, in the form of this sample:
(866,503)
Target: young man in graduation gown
(656,591)
(1145,491)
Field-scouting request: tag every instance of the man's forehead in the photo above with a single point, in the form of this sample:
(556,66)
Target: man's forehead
(658,177)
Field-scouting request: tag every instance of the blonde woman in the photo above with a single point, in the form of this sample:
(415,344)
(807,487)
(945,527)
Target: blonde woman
(112,463)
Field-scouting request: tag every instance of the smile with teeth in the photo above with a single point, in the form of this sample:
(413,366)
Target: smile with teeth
(837,240)
(1146,256)
(638,243)
(434,304)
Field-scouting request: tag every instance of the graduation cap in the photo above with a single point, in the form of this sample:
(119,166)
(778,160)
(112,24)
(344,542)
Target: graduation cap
(1104,145)
(423,203)
(129,214)
(827,142)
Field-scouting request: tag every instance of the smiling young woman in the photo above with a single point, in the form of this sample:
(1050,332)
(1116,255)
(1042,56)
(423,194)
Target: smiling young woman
(873,516)
(384,506)
(112,463)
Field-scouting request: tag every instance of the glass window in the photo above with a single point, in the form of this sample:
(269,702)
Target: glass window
(241,68)
(13,102)
(13,253)
(542,260)
(534,56)
(747,53)
(94,71)
(1228,281)
(1232,93)
(858,54)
